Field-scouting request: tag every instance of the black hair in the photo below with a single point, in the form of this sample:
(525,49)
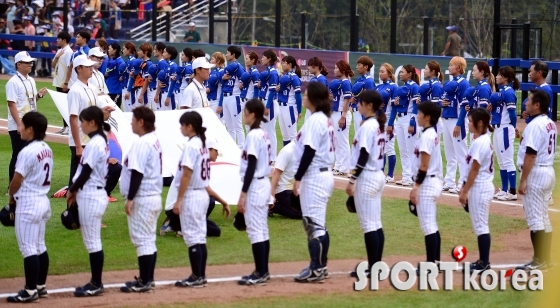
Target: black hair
(481,114)
(315,61)
(372,97)
(198,53)
(269,53)
(39,123)
(85,35)
(235,51)
(256,107)
(409,68)
(541,97)
(188,53)
(293,62)
(159,46)
(94,113)
(508,73)
(194,119)
(430,109)
(541,66)
(117,48)
(318,96)
(172,51)
(65,36)
(147,115)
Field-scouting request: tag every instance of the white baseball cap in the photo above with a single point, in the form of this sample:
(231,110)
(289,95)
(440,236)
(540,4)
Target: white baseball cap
(201,63)
(96,52)
(11,1)
(23,56)
(212,143)
(83,61)
(192,24)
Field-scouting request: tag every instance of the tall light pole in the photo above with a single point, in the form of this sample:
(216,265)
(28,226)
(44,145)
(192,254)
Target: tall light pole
(253,25)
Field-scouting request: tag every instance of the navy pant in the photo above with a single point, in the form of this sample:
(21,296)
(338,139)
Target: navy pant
(283,205)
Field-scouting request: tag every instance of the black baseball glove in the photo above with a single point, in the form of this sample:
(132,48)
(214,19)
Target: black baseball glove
(8,215)
(239,222)
(412,208)
(350,205)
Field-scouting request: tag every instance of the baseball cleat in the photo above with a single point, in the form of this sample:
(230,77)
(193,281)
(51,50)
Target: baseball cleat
(63,131)
(355,275)
(447,188)
(534,264)
(23,296)
(254,279)
(399,182)
(389,179)
(89,290)
(550,202)
(129,283)
(165,228)
(407,183)
(337,172)
(455,190)
(507,197)
(179,234)
(137,286)
(309,275)
(479,266)
(499,194)
(191,282)
(42,292)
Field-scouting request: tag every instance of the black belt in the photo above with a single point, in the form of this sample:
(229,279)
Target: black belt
(428,176)
(450,118)
(153,89)
(98,187)
(545,166)
(244,99)
(262,177)
(323,169)
(496,125)
(283,104)
(402,114)
(227,94)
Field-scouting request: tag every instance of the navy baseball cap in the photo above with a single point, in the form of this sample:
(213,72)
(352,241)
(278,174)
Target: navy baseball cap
(451,28)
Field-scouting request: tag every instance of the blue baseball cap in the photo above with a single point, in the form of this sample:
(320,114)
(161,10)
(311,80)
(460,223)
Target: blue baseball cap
(451,28)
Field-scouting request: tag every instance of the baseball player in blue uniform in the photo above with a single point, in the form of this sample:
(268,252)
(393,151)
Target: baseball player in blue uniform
(476,193)
(289,99)
(368,180)
(112,73)
(167,79)
(267,94)
(214,91)
(433,89)
(139,70)
(538,73)
(250,79)
(182,77)
(318,73)
(535,159)
(129,51)
(162,65)
(484,87)
(29,187)
(388,90)
(504,119)
(341,91)
(365,82)
(255,193)
(314,183)
(88,191)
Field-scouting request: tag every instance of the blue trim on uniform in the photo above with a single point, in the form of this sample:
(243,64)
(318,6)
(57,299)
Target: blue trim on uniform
(238,104)
(504,178)
(292,114)
(506,137)
(271,114)
(463,132)
(413,124)
(146,98)
(160,97)
(173,103)
(132,97)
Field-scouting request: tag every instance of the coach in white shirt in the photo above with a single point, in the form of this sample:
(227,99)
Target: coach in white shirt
(22,97)
(97,79)
(60,64)
(283,183)
(195,93)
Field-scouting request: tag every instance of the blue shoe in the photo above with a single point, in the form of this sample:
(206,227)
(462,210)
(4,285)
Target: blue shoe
(89,290)
(309,275)
(165,228)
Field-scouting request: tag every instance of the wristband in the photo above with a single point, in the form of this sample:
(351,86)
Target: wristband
(420,177)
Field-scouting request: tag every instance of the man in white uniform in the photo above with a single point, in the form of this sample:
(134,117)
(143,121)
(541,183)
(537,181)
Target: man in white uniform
(195,93)
(60,65)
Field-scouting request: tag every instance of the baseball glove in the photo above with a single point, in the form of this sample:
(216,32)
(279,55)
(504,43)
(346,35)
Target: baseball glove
(8,215)
(350,205)
(466,206)
(70,217)
(239,222)
(295,203)
(412,208)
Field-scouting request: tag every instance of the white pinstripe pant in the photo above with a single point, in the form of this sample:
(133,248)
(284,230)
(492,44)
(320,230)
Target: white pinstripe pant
(315,190)
(342,145)
(142,224)
(92,204)
(32,214)
(193,216)
(480,196)
(256,210)
(540,183)
(367,195)
(428,193)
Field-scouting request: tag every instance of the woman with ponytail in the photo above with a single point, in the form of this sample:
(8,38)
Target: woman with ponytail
(255,193)
(88,192)
(367,181)
(485,87)
(192,202)
(317,72)
(433,89)
(267,94)
(289,99)
(388,90)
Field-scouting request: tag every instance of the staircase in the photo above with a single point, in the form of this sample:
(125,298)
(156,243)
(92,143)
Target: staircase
(181,16)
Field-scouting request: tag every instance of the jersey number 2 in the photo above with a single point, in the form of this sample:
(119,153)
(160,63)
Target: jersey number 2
(205,169)
(47,169)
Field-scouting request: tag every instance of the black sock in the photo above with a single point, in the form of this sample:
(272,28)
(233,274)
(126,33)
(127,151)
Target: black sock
(145,264)
(195,256)
(372,243)
(547,243)
(31,267)
(315,248)
(153,267)
(513,191)
(431,247)
(43,268)
(484,248)
(96,264)
(204,259)
(381,241)
(325,243)
(538,244)
(438,249)
(267,254)
(259,252)
(534,242)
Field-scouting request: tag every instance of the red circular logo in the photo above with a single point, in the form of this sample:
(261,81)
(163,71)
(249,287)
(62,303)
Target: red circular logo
(459,253)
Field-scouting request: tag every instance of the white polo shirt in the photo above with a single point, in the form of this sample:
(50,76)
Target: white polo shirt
(194,96)
(97,81)
(80,97)
(22,91)
(74,76)
(285,163)
(61,68)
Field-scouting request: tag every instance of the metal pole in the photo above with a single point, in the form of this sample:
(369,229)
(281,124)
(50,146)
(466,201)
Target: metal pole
(497,42)
(393,44)
(211,22)
(554,96)
(303,34)
(513,46)
(168,26)
(526,54)
(277,23)
(353,26)
(425,35)
(229,25)
(154,23)
(253,24)
(65,12)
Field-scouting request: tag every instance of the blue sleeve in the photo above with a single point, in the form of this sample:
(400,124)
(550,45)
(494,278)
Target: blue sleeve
(524,105)
(484,96)
(170,92)
(273,82)
(437,92)
(231,69)
(246,79)
(270,99)
(463,86)
(296,84)
(369,84)
(512,117)
(325,81)
(130,83)
(346,89)
(462,116)
(298,101)
(412,121)
(393,115)
(221,102)
(103,67)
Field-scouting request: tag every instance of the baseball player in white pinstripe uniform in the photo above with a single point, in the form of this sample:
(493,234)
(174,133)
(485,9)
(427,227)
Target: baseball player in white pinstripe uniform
(253,202)
(314,154)
(192,202)
(367,157)
(141,183)
(428,183)
(29,187)
(88,191)
(477,192)
(535,159)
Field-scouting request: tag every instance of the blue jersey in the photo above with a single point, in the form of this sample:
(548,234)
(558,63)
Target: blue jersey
(388,90)
(268,81)
(214,83)
(152,73)
(545,87)
(454,91)
(235,71)
(104,64)
(431,91)
(289,85)
(365,82)
(124,72)
(136,68)
(250,79)
(407,95)
(503,106)
(162,74)
(481,95)
(112,79)
(186,73)
(80,51)
(320,78)
(341,90)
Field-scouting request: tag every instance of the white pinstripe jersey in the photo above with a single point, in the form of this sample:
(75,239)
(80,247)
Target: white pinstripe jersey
(318,133)
(258,145)
(481,151)
(145,157)
(96,155)
(540,135)
(195,157)
(35,164)
(429,144)
(373,140)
